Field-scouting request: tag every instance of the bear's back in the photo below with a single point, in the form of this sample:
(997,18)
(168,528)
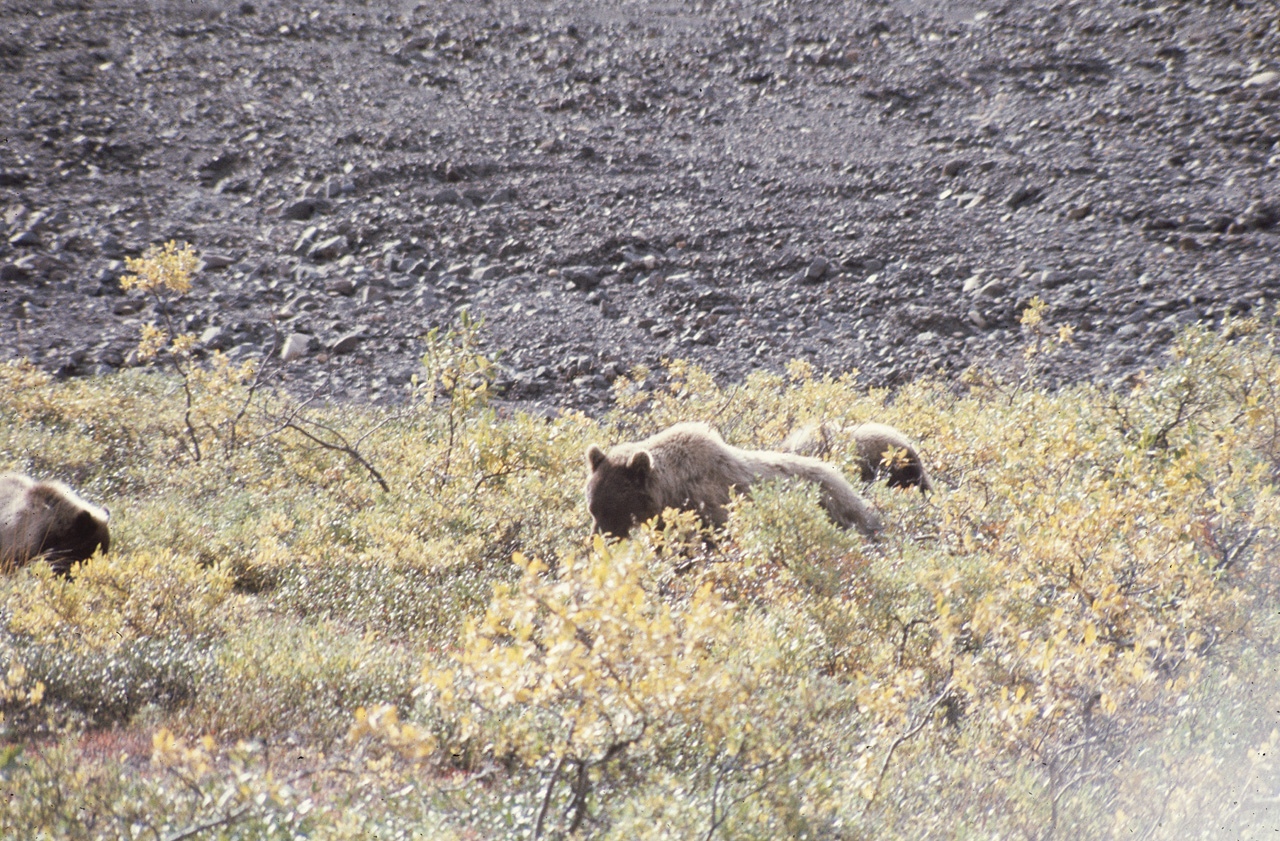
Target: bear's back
(692,465)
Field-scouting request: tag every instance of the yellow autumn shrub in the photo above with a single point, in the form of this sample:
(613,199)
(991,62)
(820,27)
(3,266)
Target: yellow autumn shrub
(1073,637)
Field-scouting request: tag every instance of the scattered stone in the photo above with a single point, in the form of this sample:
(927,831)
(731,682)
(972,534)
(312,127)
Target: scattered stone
(216,338)
(341,285)
(234,186)
(447,196)
(373,295)
(993,289)
(218,167)
(28,238)
(303,209)
(295,346)
(213,262)
(503,195)
(817,270)
(1267,78)
(347,342)
(1259,216)
(582,277)
(112,357)
(1128,331)
(328,249)
(336,187)
(1053,278)
(14,272)
(1024,195)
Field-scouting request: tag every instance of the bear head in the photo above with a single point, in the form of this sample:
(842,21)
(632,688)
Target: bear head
(71,530)
(618,491)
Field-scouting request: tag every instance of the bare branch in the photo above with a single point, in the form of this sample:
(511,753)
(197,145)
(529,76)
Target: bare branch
(902,739)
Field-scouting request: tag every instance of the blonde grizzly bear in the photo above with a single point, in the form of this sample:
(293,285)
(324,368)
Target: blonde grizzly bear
(875,442)
(690,467)
(47,519)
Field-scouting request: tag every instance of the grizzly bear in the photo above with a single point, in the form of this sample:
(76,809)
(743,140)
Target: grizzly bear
(874,442)
(690,467)
(49,520)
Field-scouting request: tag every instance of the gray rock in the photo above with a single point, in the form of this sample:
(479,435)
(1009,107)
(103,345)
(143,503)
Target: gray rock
(214,261)
(817,270)
(1024,195)
(29,238)
(1128,331)
(15,272)
(295,347)
(347,342)
(216,338)
(111,357)
(329,249)
(336,187)
(305,238)
(303,209)
(340,286)
(1053,278)
(1265,79)
(993,289)
(447,196)
(582,277)
(502,195)
(373,295)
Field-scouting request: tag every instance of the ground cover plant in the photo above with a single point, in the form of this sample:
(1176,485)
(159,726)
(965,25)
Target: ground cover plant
(351,622)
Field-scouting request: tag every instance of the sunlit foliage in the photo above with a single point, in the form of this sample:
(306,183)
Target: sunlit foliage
(350,622)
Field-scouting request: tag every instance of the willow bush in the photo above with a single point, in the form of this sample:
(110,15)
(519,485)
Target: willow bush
(342,622)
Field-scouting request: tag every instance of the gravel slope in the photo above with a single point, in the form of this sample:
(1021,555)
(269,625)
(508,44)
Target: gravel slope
(871,185)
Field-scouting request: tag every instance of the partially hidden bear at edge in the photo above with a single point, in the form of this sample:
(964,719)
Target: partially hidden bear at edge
(875,443)
(49,520)
(690,467)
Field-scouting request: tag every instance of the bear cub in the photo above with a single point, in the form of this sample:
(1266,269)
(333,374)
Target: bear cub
(690,467)
(47,519)
(873,441)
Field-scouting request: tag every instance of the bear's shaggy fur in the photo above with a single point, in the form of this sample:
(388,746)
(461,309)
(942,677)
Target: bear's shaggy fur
(690,467)
(47,519)
(873,441)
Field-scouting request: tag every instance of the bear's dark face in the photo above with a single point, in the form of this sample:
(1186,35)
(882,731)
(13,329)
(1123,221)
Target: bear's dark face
(76,541)
(618,494)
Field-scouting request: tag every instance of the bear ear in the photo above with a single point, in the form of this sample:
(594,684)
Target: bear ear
(595,456)
(641,461)
(85,524)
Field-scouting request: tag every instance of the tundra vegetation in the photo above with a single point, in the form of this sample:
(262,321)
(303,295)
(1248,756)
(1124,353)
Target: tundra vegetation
(349,622)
